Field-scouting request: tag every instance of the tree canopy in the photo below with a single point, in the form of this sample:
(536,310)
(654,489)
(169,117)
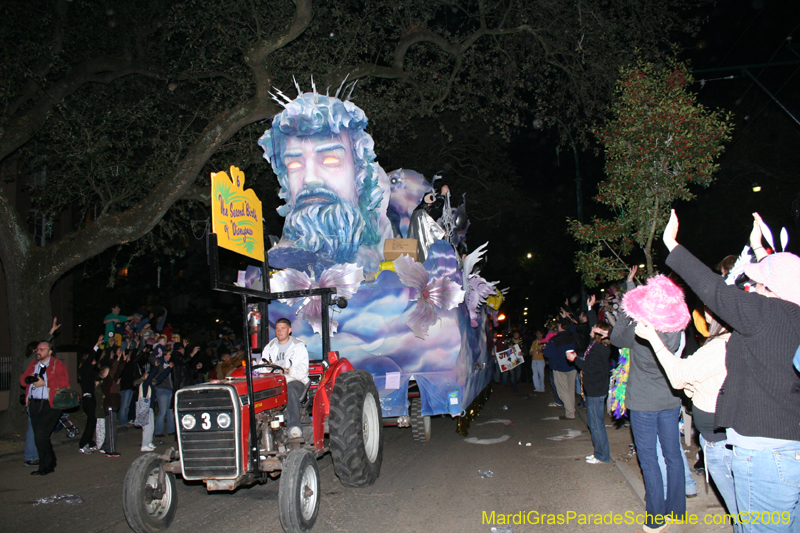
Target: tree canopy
(125,108)
(658,143)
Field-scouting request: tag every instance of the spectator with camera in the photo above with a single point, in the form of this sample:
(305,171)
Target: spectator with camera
(162,370)
(43,377)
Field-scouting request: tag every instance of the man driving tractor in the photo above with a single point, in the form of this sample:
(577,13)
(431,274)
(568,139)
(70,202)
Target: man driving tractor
(290,354)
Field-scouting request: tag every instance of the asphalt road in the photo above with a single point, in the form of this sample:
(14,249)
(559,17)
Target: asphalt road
(424,488)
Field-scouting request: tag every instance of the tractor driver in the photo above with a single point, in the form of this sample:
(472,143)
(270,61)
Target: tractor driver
(289,353)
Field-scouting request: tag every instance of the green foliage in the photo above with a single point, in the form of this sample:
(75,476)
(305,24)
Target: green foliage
(658,143)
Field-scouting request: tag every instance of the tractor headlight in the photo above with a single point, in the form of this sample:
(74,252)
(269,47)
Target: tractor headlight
(224,420)
(188,422)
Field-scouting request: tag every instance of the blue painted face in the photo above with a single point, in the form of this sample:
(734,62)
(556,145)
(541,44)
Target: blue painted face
(321,170)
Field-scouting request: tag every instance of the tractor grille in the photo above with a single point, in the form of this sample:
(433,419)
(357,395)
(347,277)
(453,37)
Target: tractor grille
(208,450)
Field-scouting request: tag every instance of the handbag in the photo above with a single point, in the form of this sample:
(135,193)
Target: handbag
(142,408)
(66,399)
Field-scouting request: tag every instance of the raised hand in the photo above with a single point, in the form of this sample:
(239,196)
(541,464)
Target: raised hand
(671,231)
(756,236)
(646,331)
(632,272)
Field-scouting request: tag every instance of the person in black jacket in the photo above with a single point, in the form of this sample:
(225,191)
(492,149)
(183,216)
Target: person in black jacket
(594,363)
(87,374)
(759,402)
(130,373)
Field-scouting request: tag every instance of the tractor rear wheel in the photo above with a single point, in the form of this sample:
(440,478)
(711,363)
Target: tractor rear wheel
(298,494)
(356,429)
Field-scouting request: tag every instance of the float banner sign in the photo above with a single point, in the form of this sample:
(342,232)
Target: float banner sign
(236,215)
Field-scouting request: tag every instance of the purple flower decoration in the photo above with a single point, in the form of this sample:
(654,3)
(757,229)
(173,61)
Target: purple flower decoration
(346,278)
(438,292)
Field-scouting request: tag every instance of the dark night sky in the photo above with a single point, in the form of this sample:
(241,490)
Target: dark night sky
(717,223)
(764,148)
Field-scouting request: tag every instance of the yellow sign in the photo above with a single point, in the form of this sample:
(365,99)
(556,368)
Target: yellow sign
(236,215)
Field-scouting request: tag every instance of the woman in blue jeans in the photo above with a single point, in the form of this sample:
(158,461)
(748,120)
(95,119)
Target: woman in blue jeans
(654,407)
(163,388)
(594,365)
(701,375)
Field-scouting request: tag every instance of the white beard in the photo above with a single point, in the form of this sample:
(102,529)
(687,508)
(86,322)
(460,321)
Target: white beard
(334,229)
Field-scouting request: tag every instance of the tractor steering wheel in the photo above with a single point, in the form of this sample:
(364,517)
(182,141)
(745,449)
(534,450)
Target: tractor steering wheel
(273,368)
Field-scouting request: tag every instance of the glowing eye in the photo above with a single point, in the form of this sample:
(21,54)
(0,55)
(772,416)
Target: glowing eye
(330,161)
(294,165)
(223,420)
(188,422)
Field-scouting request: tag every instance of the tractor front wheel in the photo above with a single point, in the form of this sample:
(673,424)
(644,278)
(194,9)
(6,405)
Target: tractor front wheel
(148,506)
(298,494)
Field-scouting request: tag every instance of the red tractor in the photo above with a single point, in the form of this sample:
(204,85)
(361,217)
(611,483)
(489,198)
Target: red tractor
(232,433)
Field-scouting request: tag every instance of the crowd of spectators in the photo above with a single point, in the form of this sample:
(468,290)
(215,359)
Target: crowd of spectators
(725,358)
(138,356)
(729,362)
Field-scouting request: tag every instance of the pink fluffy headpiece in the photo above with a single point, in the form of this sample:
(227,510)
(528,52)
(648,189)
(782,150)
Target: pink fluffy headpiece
(659,302)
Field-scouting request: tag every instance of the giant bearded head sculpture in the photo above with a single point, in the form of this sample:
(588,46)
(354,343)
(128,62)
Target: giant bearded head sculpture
(326,168)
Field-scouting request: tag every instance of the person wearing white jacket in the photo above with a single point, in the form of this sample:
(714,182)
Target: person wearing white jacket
(289,353)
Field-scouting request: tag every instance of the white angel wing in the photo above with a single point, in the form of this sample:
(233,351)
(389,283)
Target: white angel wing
(472,259)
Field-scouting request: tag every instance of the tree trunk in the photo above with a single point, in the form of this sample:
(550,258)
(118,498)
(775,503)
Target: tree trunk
(648,248)
(30,314)
(31,271)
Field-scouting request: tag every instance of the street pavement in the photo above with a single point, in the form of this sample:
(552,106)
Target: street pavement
(537,468)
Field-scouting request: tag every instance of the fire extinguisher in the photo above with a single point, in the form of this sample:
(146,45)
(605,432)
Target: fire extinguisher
(255,322)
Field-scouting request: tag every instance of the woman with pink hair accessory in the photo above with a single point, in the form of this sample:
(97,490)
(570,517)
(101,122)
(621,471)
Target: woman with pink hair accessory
(654,407)
(759,403)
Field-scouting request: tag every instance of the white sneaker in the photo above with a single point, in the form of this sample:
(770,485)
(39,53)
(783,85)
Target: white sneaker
(148,448)
(590,456)
(594,461)
(86,449)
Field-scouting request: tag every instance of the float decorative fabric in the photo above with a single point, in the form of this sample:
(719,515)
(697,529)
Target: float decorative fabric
(345,278)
